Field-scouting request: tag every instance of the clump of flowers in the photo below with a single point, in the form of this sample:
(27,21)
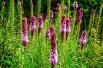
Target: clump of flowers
(53,52)
(79,15)
(63,26)
(58,7)
(24,31)
(40,21)
(83,38)
(32,25)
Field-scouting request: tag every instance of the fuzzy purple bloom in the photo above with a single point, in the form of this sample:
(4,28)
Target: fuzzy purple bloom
(47,33)
(32,25)
(83,38)
(58,7)
(63,26)
(53,53)
(52,28)
(75,4)
(68,29)
(24,31)
(79,15)
(40,21)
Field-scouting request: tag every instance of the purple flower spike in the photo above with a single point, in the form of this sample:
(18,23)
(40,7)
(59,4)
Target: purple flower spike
(63,26)
(68,23)
(24,31)
(58,7)
(75,4)
(32,25)
(53,53)
(79,15)
(51,15)
(40,21)
(47,33)
(83,38)
(52,28)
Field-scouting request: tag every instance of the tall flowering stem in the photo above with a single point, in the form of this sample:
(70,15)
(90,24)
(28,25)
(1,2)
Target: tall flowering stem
(52,29)
(79,20)
(68,29)
(83,42)
(75,6)
(53,52)
(32,25)
(47,33)
(83,38)
(63,26)
(24,32)
(79,15)
(40,22)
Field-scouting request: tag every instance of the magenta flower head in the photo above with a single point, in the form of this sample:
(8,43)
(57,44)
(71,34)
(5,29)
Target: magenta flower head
(52,29)
(58,7)
(68,23)
(40,21)
(75,4)
(53,53)
(79,15)
(47,33)
(32,25)
(24,31)
(63,26)
(83,38)
(51,15)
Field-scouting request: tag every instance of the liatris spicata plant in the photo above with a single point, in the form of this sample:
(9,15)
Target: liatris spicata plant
(75,5)
(52,28)
(58,7)
(53,53)
(83,38)
(32,25)
(51,15)
(68,29)
(79,15)
(63,26)
(40,22)
(24,32)
(47,33)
